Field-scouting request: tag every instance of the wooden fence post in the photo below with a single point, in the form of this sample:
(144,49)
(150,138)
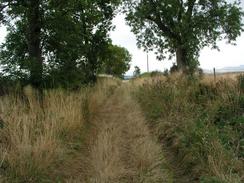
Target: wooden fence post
(214,74)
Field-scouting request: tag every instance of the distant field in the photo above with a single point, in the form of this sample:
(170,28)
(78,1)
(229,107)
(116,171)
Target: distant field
(221,76)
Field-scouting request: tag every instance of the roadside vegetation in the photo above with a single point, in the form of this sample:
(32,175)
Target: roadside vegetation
(37,142)
(156,128)
(199,123)
(61,122)
(95,134)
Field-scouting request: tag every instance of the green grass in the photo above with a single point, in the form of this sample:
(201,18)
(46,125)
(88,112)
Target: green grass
(202,123)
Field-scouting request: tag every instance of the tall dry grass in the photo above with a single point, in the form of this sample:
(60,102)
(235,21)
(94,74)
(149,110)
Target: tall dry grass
(36,142)
(124,150)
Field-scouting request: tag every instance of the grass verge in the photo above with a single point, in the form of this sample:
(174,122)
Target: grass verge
(200,123)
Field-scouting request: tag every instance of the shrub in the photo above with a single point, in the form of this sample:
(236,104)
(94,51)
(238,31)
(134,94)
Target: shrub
(174,69)
(156,73)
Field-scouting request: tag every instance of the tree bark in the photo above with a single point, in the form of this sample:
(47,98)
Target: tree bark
(181,58)
(34,43)
(92,67)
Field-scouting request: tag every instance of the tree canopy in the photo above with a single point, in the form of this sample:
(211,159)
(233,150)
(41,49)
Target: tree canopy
(66,42)
(116,61)
(137,71)
(183,27)
(59,41)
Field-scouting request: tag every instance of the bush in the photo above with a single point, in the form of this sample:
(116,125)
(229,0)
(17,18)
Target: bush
(174,68)
(166,72)
(156,73)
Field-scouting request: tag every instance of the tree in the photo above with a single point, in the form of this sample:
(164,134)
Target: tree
(29,12)
(183,27)
(116,61)
(137,71)
(79,36)
(59,41)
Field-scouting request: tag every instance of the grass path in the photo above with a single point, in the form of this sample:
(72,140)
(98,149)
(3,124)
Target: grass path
(123,150)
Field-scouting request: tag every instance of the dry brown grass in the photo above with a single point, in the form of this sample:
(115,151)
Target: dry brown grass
(219,161)
(220,77)
(35,142)
(137,82)
(124,150)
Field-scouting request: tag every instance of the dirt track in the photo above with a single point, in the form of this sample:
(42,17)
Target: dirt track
(124,150)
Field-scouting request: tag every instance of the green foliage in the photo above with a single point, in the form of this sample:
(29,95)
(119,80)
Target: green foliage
(185,27)
(210,180)
(200,72)
(154,74)
(205,92)
(74,35)
(166,72)
(174,68)
(9,85)
(157,73)
(115,61)
(201,123)
(145,74)
(137,72)
(14,53)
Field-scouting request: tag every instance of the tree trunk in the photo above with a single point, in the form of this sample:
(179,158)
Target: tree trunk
(181,58)
(92,67)
(34,43)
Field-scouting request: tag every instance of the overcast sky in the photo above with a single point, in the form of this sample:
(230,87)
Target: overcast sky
(228,56)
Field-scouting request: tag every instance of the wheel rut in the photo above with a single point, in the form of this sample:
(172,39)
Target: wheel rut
(124,151)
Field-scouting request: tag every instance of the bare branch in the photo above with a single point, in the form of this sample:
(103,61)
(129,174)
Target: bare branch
(190,7)
(181,9)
